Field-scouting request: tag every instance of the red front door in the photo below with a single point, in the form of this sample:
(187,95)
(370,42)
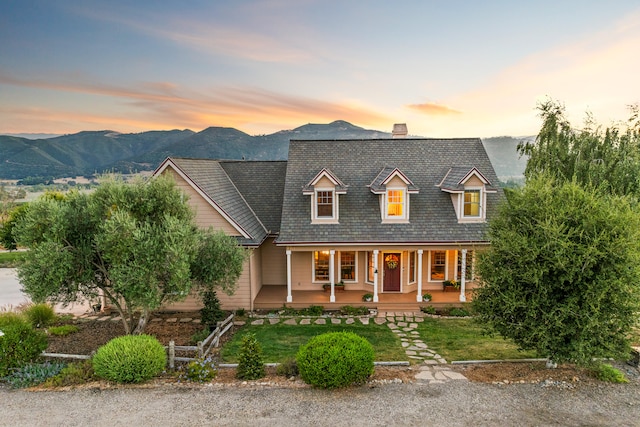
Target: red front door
(392,268)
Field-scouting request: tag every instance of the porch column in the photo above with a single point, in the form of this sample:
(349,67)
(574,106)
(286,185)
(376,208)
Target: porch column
(463,267)
(375,275)
(289,296)
(331,276)
(419,295)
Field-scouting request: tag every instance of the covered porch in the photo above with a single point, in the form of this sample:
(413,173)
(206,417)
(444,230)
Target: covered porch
(274,297)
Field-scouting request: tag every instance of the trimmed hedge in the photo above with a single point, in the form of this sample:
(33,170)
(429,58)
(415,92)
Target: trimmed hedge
(130,359)
(336,359)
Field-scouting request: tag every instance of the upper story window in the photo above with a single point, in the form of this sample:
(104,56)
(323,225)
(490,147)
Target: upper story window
(324,189)
(468,189)
(324,204)
(395,204)
(394,189)
(471,203)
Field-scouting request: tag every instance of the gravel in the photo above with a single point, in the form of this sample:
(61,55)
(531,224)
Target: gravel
(456,403)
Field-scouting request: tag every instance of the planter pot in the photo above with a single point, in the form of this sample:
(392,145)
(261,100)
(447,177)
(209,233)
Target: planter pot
(338,288)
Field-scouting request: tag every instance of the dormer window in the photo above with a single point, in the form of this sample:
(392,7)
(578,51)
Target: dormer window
(471,204)
(394,189)
(395,204)
(324,189)
(468,189)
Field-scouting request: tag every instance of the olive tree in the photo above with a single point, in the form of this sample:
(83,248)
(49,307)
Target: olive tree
(135,244)
(561,276)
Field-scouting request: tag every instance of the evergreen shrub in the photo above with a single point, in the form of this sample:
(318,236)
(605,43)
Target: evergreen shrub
(130,359)
(250,364)
(19,342)
(335,359)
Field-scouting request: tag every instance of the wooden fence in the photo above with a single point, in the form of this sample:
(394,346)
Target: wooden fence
(203,348)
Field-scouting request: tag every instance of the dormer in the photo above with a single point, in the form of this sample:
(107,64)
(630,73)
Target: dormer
(394,188)
(468,188)
(324,189)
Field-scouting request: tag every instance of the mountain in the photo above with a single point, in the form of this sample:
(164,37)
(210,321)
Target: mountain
(89,152)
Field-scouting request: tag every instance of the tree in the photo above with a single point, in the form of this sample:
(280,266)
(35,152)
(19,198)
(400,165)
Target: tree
(562,271)
(135,244)
(608,160)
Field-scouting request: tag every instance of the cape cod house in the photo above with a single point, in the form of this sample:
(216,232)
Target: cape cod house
(394,218)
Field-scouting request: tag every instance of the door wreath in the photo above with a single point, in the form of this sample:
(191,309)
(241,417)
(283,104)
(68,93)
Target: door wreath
(392,261)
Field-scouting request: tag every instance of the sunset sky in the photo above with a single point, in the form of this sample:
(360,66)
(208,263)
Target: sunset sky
(446,68)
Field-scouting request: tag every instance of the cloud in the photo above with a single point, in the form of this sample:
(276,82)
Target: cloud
(430,108)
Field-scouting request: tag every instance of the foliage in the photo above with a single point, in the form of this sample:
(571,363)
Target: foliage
(605,159)
(336,359)
(201,370)
(454,283)
(7,237)
(211,313)
(429,309)
(200,336)
(241,312)
(130,359)
(40,315)
(135,243)
(312,310)
(288,368)
(426,296)
(250,364)
(33,374)
(218,262)
(74,373)
(19,342)
(63,330)
(561,274)
(606,372)
(349,310)
(367,297)
(458,312)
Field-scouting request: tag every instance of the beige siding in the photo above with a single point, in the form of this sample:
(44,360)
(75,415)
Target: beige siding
(324,183)
(274,264)
(474,181)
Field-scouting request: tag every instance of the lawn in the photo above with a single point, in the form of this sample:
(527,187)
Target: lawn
(10,259)
(464,339)
(281,342)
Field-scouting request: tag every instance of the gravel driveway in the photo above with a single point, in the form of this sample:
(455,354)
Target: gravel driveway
(449,404)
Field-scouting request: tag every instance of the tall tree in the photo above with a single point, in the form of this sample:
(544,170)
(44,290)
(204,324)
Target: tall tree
(562,271)
(133,243)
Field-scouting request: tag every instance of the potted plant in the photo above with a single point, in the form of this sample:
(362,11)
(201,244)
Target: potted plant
(450,284)
(338,286)
(426,297)
(367,297)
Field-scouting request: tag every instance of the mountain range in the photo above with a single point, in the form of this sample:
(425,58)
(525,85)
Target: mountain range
(91,152)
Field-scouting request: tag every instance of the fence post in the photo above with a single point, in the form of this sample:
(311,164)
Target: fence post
(200,349)
(172,354)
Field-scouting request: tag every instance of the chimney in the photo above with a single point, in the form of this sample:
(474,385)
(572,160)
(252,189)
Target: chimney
(399,130)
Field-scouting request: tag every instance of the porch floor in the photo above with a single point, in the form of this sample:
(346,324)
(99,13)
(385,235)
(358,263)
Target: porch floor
(274,296)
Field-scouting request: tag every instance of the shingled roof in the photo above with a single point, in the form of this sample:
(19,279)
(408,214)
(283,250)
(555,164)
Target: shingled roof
(432,218)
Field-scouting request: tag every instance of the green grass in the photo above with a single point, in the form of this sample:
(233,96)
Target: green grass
(464,339)
(10,259)
(281,342)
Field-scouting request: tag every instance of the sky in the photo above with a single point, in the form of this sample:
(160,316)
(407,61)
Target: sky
(445,68)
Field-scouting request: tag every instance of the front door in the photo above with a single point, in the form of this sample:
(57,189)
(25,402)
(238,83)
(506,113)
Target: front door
(392,269)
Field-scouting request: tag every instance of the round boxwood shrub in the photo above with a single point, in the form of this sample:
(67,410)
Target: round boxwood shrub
(335,359)
(130,359)
(19,342)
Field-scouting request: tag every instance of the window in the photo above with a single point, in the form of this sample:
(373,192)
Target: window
(348,266)
(321,266)
(468,273)
(370,267)
(472,203)
(324,204)
(438,264)
(412,267)
(395,203)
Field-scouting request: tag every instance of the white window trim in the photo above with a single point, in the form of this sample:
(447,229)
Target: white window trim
(446,267)
(315,219)
(313,268)
(415,267)
(355,267)
(481,210)
(385,204)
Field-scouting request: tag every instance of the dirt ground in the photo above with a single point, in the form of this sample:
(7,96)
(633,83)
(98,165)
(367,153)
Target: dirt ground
(94,333)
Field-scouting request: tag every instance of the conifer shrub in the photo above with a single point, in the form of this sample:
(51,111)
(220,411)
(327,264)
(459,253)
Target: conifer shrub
(130,359)
(335,360)
(211,313)
(250,364)
(40,315)
(19,342)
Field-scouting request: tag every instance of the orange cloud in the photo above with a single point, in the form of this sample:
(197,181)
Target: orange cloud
(430,108)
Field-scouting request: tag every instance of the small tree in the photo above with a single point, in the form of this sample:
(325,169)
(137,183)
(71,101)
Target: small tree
(250,364)
(561,276)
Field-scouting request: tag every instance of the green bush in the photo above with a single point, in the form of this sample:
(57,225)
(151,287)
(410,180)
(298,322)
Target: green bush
(63,330)
(250,364)
(458,312)
(335,359)
(74,373)
(349,310)
(428,309)
(19,342)
(211,313)
(33,374)
(130,359)
(200,370)
(289,368)
(40,315)
(605,372)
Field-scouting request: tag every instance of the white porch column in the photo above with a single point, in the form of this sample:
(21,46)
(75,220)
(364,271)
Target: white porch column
(463,268)
(289,296)
(331,276)
(375,275)
(419,295)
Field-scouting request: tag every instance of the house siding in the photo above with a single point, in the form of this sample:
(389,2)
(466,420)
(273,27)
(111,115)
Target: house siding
(273,264)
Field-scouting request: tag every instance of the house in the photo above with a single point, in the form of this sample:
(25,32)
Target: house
(393,218)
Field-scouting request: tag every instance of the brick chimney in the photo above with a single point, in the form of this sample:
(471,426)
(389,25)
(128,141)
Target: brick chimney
(399,130)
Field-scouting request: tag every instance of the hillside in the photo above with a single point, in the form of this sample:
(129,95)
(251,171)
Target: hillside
(90,152)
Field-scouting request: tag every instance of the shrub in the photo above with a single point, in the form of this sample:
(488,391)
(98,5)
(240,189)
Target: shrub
(250,364)
(33,373)
(354,311)
(458,312)
(200,370)
(335,359)
(200,336)
(130,359)
(211,313)
(241,312)
(289,368)
(605,372)
(73,374)
(428,309)
(63,330)
(40,315)
(19,342)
